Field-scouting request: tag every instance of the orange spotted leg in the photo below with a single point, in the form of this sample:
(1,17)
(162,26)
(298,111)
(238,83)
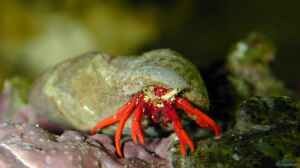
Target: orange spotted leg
(202,119)
(184,139)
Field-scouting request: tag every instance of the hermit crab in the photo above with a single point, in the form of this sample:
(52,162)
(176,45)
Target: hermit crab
(97,92)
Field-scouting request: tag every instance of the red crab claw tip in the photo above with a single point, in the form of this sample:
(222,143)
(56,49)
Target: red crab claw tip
(184,139)
(217,131)
(182,150)
(202,119)
(120,128)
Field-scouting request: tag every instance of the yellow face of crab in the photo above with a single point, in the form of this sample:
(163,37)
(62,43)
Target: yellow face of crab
(157,100)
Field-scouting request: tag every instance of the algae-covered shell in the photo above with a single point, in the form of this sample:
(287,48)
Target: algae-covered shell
(81,91)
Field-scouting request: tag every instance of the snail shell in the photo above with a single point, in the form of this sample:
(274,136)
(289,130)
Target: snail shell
(83,90)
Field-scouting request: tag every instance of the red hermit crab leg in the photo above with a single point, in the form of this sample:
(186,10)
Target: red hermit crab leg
(119,131)
(202,119)
(115,118)
(184,139)
(104,123)
(136,130)
(121,116)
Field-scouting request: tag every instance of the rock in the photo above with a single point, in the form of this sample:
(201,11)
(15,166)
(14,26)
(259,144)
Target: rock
(266,134)
(30,146)
(25,145)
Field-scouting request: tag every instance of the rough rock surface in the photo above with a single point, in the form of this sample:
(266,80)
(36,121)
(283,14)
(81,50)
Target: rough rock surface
(24,145)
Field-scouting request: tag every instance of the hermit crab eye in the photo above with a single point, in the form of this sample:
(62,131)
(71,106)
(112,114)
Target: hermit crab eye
(145,89)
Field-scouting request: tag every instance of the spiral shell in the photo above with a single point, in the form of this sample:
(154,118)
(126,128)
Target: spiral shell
(83,90)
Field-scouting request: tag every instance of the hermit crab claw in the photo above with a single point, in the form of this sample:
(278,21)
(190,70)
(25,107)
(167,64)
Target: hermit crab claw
(152,102)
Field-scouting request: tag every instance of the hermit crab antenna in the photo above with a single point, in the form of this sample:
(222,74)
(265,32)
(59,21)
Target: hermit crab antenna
(202,119)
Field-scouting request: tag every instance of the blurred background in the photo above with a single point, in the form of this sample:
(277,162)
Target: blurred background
(36,34)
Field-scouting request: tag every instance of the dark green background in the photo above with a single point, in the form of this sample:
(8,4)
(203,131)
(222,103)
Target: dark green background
(214,25)
(203,30)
